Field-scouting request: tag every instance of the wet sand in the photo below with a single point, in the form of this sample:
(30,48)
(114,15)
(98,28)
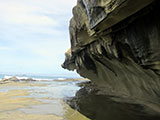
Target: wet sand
(28,104)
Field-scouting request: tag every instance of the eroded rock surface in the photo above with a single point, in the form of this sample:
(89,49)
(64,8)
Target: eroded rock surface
(104,107)
(116,44)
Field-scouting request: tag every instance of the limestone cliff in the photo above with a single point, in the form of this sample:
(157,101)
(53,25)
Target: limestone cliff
(116,44)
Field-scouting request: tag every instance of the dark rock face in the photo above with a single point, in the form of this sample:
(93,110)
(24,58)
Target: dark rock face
(116,44)
(103,107)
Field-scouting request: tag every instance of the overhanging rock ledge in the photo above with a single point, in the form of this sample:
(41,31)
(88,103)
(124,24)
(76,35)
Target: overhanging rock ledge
(116,44)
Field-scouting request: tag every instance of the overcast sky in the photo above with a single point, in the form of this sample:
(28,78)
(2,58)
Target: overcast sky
(34,35)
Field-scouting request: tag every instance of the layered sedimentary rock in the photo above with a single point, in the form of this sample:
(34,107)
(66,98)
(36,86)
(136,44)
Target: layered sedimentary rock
(116,44)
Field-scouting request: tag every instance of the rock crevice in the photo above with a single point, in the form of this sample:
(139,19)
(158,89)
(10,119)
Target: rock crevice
(116,44)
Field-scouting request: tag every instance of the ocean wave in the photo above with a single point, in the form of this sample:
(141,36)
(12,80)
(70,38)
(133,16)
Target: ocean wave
(42,79)
(28,78)
(60,78)
(7,77)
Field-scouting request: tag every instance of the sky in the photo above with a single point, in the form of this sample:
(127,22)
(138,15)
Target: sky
(34,36)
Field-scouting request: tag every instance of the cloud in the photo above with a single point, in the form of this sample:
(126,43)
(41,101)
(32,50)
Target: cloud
(22,14)
(44,16)
(34,35)
(4,48)
(34,12)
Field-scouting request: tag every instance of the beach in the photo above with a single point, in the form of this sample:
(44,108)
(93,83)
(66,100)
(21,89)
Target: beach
(38,100)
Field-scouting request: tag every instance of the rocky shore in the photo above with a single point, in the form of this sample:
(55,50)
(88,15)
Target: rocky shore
(115,44)
(37,100)
(15,79)
(96,106)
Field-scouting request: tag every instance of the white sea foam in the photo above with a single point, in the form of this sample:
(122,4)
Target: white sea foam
(8,76)
(36,78)
(42,79)
(61,78)
(20,78)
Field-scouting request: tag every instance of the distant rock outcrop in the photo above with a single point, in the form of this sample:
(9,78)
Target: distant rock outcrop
(15,79)
(116,44)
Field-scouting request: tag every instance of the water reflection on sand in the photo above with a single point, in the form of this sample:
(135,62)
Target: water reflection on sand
(42,100)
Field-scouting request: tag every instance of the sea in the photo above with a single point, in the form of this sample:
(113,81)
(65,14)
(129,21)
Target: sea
(66,85)
(50,90)
(37,77)
(58,96)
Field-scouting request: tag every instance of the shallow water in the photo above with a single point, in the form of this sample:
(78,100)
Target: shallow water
(46,100)
(42,100)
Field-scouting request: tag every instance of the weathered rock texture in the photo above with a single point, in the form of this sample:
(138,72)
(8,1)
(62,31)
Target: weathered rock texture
(102,107)
(116,44)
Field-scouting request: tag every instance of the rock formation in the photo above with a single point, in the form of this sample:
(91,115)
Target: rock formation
(116,44)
